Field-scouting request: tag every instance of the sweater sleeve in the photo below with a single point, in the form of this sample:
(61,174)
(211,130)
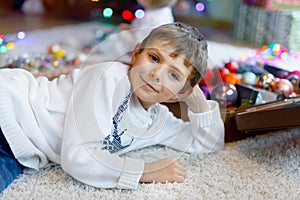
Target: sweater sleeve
(82,153)
(203,133)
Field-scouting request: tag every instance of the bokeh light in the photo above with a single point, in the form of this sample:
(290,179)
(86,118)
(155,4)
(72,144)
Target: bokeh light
(3,49)
(139,13)
(1,39)
(107,12)
(127,15)
(21,35)
(10,45)
(200,7)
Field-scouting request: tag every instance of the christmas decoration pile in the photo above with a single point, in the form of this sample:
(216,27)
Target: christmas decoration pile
(264,70)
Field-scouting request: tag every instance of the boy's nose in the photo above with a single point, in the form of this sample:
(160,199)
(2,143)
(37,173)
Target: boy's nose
(155,74)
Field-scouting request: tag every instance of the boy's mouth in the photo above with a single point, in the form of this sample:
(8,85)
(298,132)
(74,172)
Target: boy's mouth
(150,86)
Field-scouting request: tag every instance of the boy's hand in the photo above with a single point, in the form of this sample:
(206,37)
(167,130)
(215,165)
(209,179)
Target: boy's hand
(162,171)
(196,101)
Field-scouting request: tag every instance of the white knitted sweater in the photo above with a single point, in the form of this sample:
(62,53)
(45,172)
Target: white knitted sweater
(86,119)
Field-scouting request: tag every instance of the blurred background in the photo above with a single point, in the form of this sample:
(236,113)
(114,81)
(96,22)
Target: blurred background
(245,22)
(257,36)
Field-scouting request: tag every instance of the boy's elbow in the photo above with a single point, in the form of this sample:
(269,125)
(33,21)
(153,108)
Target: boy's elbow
(220,139)
(77,167)
(215,140)
(69,163)
(74,161)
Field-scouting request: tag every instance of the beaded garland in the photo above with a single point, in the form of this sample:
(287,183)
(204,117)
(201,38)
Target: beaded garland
(54,58)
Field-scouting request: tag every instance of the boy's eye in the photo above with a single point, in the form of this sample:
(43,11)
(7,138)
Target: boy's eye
(154,58)
(174,75)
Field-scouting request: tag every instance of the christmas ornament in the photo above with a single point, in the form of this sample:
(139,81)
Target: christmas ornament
(249,78)
(232,78)
(226,94)
(205,91)
(223,72)
(264,81)
(282,87)
(208,79)
(232,66)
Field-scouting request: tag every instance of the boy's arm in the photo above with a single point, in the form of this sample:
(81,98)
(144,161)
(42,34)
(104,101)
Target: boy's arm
(202,129)
(168,169)
(196,101)
(84,154)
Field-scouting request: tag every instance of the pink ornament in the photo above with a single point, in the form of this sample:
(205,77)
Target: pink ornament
(296,72)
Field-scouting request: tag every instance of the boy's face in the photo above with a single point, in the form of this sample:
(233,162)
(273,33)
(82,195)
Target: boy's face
(157,74)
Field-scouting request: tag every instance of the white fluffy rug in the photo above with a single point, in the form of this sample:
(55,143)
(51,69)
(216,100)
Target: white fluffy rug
(265,167)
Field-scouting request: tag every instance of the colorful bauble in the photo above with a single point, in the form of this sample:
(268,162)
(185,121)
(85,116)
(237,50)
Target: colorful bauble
(223,72)
(264,81)
(205,91)
(295,80)
(226,94)
(232,66)
(282,87)
(232,78)
(209,78)
(249,78)
(56,51)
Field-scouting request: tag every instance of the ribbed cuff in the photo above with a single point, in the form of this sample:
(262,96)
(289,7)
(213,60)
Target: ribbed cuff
(131,174)
(207,118)
(19,143)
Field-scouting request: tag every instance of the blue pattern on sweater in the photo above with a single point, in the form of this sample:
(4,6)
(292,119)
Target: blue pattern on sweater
(113,142)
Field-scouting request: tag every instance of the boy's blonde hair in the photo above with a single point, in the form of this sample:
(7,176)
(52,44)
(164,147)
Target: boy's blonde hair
(189,44)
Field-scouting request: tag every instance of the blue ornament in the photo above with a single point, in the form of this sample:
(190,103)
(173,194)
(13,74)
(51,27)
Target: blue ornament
(249,78)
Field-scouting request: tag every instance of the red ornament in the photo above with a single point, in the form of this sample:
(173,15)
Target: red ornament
(209,78)
(232,66)
(223,72)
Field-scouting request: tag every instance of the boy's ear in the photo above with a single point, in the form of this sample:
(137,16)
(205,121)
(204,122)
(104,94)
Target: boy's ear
(182,95)
(134,53)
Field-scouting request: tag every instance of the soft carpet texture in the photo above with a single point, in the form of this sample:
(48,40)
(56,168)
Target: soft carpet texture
(264,167)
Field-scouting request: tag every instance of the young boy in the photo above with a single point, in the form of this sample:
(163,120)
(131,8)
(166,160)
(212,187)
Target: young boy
(86,119)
